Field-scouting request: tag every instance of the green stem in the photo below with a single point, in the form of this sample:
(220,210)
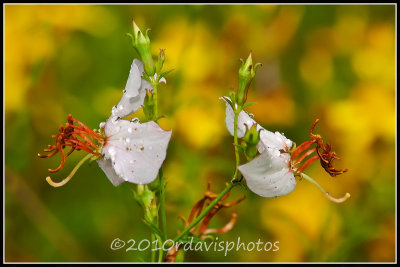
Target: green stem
(162,204)
(63,182)
(153,252)
(204,212)
(235,140)
(337,200)
(155,98)
(161,251)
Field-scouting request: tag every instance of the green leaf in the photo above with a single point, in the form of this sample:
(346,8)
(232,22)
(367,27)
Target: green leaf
(164,74)
(248,104)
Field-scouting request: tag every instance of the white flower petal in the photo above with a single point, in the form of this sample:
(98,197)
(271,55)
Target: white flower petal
(106,166)
(243,120)
(137,150)
(269,175)
(139,64)
(134,93)
(273,140)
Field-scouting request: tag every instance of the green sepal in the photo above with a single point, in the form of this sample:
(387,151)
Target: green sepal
(164,74)
(248,104)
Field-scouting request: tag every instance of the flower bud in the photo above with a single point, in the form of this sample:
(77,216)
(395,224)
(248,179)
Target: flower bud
(251,138)
(141,42)
(147,199)
(246,74)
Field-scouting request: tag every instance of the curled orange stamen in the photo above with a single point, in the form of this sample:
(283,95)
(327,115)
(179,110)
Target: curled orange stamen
(78,137)
(325,153)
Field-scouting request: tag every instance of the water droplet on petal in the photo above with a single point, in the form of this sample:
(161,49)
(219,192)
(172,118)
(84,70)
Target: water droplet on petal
(130,130)
(128,140)
(102,124)
(112,151)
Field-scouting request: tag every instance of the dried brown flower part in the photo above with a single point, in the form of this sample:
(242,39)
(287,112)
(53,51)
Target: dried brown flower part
(78,137)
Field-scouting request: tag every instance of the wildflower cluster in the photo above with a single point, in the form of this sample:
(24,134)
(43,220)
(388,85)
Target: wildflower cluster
(273,173)
(134,151)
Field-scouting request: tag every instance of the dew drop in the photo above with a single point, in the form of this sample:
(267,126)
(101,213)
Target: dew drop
(128,140)
(112,152)
(102,124)
(130,130)
(120,107)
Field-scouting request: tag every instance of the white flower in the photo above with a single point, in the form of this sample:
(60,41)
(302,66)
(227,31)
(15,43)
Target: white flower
(133,151)
(135,91)
(270,174)
(267,139)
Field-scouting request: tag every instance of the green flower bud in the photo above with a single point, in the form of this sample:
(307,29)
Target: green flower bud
(246,74)
(141,42)
(147,199)
(251,139)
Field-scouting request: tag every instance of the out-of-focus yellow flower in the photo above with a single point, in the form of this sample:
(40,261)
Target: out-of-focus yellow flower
(349,30)
(316,67)
(200,125)
(285,218)
(383,247)
(376,60)
(368,114)
(274,108)
(173,38)
(33,33)
(280,31)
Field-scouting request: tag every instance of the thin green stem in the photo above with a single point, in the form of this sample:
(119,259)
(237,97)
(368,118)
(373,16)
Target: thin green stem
(155,98)
(160,251)
(153,251)
(162,204)
(63,182)
(205,211)
(337,200)
(235,140)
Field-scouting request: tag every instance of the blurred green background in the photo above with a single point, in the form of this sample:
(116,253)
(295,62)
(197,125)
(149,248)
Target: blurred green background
(335,63)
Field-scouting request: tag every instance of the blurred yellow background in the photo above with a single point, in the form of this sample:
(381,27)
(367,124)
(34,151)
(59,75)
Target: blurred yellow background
(332,62)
